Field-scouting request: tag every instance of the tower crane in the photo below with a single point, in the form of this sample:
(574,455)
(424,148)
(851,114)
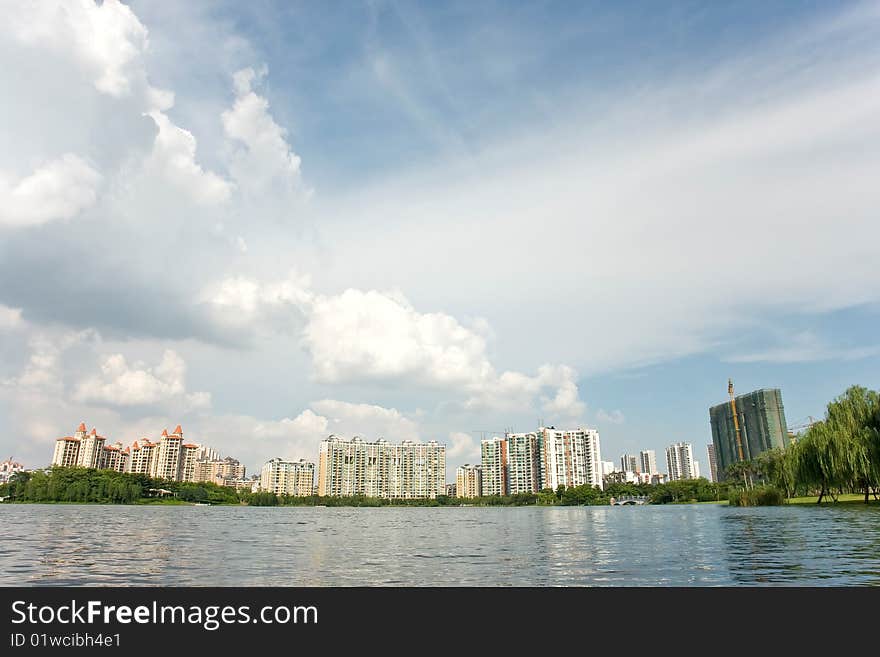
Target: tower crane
(739,444)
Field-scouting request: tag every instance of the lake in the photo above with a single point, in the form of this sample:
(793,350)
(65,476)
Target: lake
(680,545)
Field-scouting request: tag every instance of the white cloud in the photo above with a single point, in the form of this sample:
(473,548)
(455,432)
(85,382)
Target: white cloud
(10,318)
(805,347)
(254,440)
(373,336)
(250,297)
(174,158)
(122,384)
(106,38)
(263,158)
(44,372)
(368,420)
(376,335)
(59,189)
(614,417)
(462,447)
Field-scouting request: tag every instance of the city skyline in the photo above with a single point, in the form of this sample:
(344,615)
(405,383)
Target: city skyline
(273,224)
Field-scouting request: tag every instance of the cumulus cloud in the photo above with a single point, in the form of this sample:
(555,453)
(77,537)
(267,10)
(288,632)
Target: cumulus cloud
(59,189)
(462,447)
(263,158)
(106,38)
(376,335)
(174,158)
(138,384)
(373,336)
(368,420)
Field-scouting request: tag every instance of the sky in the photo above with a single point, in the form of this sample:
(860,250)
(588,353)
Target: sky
(273,221)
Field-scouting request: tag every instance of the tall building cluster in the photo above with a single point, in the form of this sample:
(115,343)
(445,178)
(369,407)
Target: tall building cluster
(170,457)
(546,458)
(408,470)
(88,450)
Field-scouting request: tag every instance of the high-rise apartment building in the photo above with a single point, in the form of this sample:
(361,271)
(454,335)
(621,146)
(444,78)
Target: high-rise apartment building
(113,457)
(66,452)
(648,462)
(90,447)
(288,477)
(168,459)
(629,463)
(757,425)
(142,457)
(569,458)
(82,449)
(469,481)
(493,454)
(680,462)
(409,470)
(174,459)
(713,469)
(523,463)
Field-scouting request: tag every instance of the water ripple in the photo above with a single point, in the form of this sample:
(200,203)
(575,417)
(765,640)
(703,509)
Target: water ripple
(700,545)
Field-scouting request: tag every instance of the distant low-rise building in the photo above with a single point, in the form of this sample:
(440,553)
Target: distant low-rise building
(629,463)
(469,481)
(9,468)
(619,477)
(224,472)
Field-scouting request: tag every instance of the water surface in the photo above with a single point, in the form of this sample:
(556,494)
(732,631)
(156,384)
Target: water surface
(682,545)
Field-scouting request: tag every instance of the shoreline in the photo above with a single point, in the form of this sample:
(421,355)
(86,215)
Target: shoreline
(849,499)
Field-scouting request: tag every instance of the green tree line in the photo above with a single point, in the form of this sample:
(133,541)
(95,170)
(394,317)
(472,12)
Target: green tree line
(107,487)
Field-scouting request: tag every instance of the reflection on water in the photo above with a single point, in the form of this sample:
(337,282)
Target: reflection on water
(688,545)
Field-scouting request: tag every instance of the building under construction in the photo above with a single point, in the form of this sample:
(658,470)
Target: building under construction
(747,425)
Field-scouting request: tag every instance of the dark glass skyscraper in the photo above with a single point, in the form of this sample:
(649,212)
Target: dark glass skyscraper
(762,426)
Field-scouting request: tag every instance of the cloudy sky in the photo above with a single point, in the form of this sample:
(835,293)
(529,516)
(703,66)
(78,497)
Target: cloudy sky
(272,221)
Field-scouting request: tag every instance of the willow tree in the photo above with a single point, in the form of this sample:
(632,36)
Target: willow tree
(817,459)
(778,468)
(853,418)
(842,452)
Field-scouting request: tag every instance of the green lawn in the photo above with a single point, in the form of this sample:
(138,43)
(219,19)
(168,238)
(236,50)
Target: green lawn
(848,498)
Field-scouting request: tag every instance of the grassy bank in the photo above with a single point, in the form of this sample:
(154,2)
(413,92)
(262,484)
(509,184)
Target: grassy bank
(847,498)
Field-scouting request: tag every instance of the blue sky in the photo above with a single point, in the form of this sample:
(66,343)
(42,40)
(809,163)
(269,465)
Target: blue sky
(272,221)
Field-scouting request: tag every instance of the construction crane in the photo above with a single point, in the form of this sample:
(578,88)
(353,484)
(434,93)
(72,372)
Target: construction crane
(739,444)
(802,425)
